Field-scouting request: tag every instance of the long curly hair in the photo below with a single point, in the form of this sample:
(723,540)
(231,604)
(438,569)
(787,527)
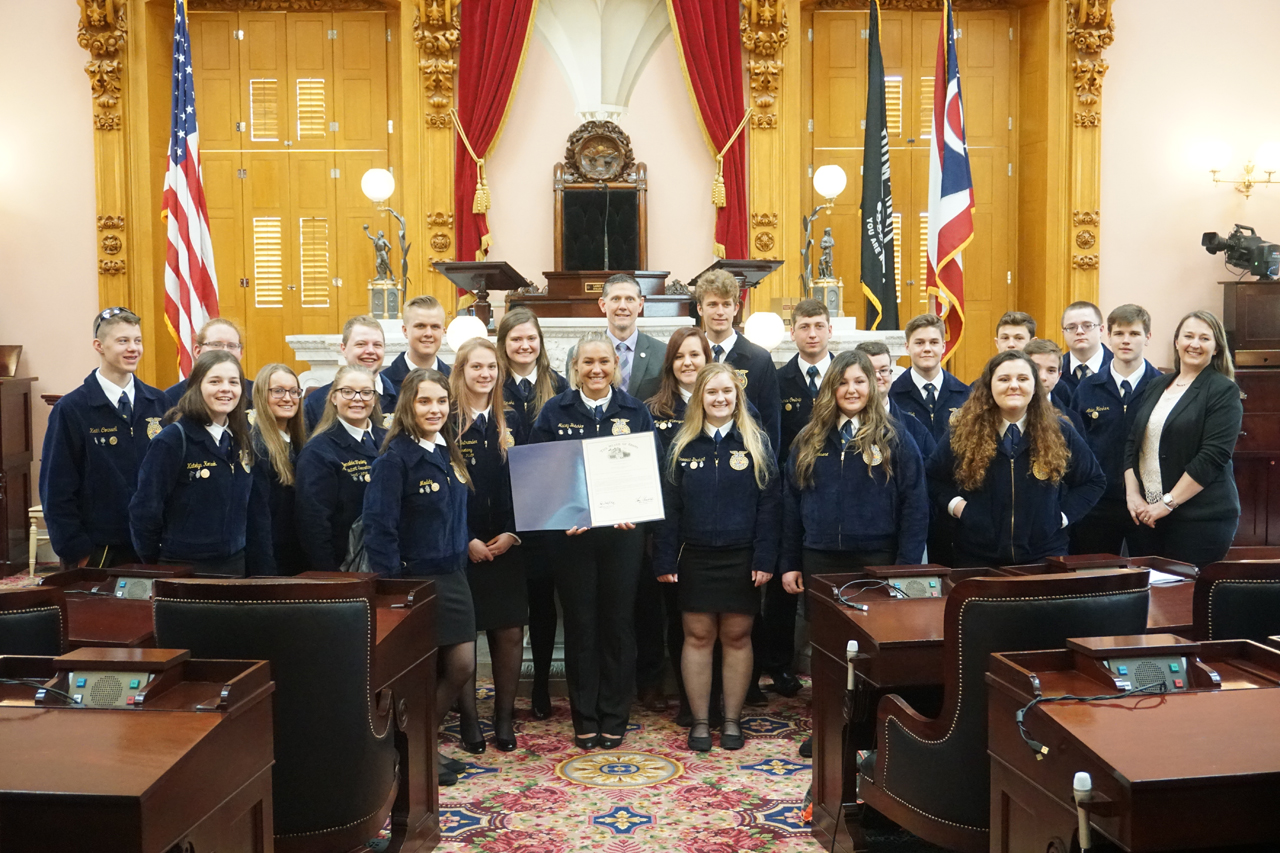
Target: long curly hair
(663,403)
(876,432)
(975,428)
(695,419)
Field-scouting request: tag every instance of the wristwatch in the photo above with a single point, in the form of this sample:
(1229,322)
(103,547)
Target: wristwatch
(1168,501)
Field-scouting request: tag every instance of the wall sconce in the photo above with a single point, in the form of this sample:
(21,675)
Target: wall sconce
(829,181)
(1266,160)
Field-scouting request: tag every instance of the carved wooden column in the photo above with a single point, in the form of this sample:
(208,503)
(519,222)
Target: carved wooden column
(1090,29)
(436,33)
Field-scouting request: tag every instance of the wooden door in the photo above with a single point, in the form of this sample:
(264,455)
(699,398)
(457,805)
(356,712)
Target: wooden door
(909,44)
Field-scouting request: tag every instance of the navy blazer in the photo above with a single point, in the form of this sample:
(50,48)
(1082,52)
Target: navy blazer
(951,396)
(332,473)
(313,406)
(1107,421)
(712,501)
(399,368)
(523,408)
(566,417)
(174,393)
(1015,516)
(1067,381)
(1072,416)
(754,367)
(797,403)
(415,512)
(195,504)
(89,466)
(852,506)
(489,508)
(286,546)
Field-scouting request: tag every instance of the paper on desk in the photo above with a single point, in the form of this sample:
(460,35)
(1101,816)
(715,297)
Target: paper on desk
(1163,577)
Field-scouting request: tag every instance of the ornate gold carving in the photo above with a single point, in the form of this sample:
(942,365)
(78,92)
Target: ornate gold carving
(103,31)
(1089,74)
(599,151)
(440,219)
(288,6)
(763,25)
(1088,119)
(440,241)
(106,267)
(110,223)
(764,241)
(1085,239)
(1085,217)
(764,220)
(913,5)
(111,244)
(1091,29)
(1084,262)
(436,31)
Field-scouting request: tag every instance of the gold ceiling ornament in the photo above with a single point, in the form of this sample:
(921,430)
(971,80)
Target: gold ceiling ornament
(1090,29)
(763,24)
(103,30)
(437,29)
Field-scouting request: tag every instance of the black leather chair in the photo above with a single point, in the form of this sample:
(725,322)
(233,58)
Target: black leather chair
(932,776)
(33,622)
(335,777)
(1237,601)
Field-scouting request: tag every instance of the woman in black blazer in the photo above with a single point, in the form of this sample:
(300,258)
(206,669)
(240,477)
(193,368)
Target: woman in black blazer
(1179,483)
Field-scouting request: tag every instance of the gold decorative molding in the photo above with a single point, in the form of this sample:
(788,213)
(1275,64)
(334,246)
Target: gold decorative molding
(439,219)
(763,24)
(441,241)
(436,32)
(764,220)
(106,267)
(289,6)
(1085,217)
(1084,262)
(911,5)
(110,223)
(103,30)
(764,241)
(111,244)
(1090,30)
(1085,239)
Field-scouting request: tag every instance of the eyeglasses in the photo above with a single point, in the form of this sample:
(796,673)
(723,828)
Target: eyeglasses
(105,315)
(280,393)
(1080,327)
(351,394)
(222,345)
(885,371)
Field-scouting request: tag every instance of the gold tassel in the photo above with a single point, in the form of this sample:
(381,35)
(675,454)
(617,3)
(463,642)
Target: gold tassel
(717,186)
(481,202)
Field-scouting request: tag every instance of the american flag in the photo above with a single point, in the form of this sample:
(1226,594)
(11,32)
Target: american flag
(950,188)
(190,285)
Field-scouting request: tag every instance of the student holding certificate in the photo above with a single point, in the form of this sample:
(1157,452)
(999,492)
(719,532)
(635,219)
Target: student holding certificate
(599,568)
(719,541)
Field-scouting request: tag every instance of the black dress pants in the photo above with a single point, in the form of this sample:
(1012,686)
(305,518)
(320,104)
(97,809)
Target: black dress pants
(650,629)
(1197,542)
(596,575)
(1104,530)
(776,643)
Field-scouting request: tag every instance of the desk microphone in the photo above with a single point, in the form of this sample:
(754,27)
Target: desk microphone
(1082,786)
(850,652)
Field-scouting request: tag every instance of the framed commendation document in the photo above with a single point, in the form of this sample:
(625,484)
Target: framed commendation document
(593,482)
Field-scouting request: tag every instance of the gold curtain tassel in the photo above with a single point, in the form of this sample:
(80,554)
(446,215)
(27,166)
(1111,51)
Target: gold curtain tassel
(481,202)
(717,186)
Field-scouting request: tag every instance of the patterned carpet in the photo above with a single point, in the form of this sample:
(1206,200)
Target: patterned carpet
(651,794)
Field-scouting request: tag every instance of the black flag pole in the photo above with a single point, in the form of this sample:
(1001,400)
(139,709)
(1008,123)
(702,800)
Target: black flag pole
(878,250)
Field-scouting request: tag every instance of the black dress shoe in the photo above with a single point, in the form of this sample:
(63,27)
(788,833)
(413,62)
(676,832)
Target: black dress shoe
(609,742)
(755,696)
(731,735)
(785,684)
(505,745)
(504,737)
(806,748)
(586,743)
(699,742)
(541,702)
(474,747)
(447,778)
(453,765)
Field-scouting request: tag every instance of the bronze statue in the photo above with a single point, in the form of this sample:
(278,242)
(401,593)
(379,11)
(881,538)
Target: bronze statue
(826,267)
(382,253)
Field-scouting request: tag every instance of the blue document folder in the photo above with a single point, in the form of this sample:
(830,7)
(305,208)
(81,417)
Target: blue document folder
(549,486)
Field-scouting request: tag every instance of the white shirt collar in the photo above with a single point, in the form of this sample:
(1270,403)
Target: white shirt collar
(430,446)
(1132,378)
(286,437)
(888,403)
(711,430)
(822,366)
(532,377)
(728,344)
(1022,426)
(486,413)
(844,419)
(591,404)
(920,382)
(408,358)
(216,430)
(354,432)
(630,342)
(685,395)
(384,386)
(1095,363)
(113,391)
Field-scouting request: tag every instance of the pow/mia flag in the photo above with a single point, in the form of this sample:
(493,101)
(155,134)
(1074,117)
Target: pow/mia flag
(878,279)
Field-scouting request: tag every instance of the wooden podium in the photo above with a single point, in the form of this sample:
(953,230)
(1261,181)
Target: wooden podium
(575,293)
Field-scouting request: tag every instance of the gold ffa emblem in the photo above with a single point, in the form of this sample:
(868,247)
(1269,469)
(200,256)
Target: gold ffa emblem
(873,457)
(461,474)
(112,440)
(620,426)
(252,415)
(387,420)
(788,407)
(508,440)
(1039,471)
(153,428)
(742,377)
(738,460)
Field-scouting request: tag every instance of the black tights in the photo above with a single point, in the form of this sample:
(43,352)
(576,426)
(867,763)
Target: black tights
(455,668)
(505,653)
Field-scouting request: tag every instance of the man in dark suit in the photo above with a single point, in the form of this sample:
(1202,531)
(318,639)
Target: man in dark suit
(362,345)
(423,327)
(218,333)
(1086,356)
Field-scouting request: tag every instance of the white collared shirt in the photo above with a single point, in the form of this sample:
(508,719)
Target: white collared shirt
(822,366)
(357,433)
(1094,364)
(686,395)
(532,377)
(630,342)
(920,382)
(113,391)
(487,414)
(383,386)
(844,419)
(711,430)
(286,437)
(1132,378)
(430,446)
(728,344)
(591,404)
(216,430)
(435,362)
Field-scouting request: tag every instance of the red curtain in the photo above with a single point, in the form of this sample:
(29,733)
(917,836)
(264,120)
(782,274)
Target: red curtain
(491,50)
(711,52)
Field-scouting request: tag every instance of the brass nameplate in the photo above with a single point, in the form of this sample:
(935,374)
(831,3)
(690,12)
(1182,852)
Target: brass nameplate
(593,287)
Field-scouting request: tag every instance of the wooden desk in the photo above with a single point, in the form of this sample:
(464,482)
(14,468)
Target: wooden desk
(900,651)
(137,780)
(1177,772)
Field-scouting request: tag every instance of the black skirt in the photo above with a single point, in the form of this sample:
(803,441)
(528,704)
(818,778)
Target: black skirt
(716,580)
(455,615)
(499,592)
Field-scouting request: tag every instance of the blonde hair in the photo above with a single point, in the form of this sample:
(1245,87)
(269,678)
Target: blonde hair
(876,431)
(594,338)
(460,415)
(695,420)
(275,445)
(719,283)
(330,416)
(544,388)
(203,334)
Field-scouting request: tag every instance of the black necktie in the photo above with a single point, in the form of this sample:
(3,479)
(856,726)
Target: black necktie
(846,433)
(930,396)
(717,352)
(526,388)
(717,438)
(481,421)
(366,442)
(1125,390)
(224,444)
(1082,371)
(813,380)
(598,413)
(1011,436)
(125,407)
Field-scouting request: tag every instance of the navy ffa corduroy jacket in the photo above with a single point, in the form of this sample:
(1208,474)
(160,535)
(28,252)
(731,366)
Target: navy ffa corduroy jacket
(910,402)
(394,374)
(332,473)
(313,405)
(489,509)
(797,403)
(666,428)
(1107,421)
(415,512)
(915,427)
(851,506)
(193,503)
(286,546)
(1015,516)
(755,368)
(523,408)
(712,501)
(566,417)
(89,466)
(174,393)
(1067,383)
(1072,416)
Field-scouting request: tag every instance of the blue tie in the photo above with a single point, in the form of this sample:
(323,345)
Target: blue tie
(813,380)
(717,438)
(224,444)
(366,442)
(624,363)
(598,413)
(1011,436)
(1125,390)
(930,396)
(717,352)
(525,387)
(481,422)
(125,407)
(846,433)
